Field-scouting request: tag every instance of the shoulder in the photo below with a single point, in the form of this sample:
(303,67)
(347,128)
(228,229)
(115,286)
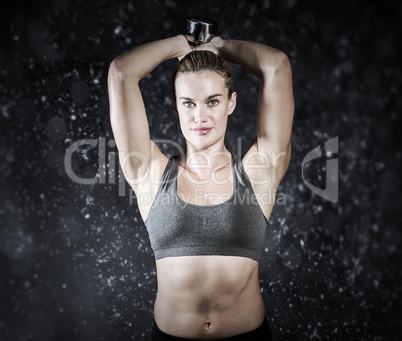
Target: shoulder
(265,169)
(151,170)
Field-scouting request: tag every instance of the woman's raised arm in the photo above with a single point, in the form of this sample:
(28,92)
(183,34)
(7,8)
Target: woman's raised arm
(127,113)
(275,100)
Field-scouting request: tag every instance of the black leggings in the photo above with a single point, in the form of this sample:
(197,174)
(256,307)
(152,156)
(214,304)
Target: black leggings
(262,333)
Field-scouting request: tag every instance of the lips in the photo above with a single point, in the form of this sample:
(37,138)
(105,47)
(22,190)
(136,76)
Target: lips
(202,131)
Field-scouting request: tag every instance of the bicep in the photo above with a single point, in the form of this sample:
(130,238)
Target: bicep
(275,113)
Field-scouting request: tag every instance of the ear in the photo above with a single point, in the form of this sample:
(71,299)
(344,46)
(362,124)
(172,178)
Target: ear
(174,106)
(232,102)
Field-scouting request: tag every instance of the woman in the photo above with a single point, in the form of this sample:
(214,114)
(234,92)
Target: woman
(209,209)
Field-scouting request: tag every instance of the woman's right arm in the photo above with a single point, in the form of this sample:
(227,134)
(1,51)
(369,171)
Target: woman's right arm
(127,112)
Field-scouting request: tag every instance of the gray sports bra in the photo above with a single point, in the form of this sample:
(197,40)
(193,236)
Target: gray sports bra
(235,227)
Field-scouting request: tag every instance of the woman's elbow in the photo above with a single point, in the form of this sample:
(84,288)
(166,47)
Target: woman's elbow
(115,71)
(278,63)
(283,62)
(120,70)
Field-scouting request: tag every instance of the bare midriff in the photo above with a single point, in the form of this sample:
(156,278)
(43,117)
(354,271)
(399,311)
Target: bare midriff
(208,297)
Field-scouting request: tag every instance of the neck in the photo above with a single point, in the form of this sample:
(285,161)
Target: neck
(209,158)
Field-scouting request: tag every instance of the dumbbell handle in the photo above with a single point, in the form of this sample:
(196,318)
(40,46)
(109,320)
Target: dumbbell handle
(200,30)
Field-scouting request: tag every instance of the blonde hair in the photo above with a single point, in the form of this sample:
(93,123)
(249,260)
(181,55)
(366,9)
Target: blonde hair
(203,60)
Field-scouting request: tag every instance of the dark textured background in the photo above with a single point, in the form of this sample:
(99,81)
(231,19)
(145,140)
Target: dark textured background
(75,259)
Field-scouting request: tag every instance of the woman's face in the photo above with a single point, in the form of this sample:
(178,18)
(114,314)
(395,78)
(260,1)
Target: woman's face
(203,107)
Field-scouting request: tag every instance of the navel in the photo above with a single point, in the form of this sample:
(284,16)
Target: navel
(207,325)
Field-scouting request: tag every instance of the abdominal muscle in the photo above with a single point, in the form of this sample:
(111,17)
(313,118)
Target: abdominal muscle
(208,297)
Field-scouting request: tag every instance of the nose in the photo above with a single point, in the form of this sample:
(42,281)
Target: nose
(199,115)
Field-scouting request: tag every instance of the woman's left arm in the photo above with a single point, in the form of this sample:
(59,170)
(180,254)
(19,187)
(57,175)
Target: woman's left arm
(275,100)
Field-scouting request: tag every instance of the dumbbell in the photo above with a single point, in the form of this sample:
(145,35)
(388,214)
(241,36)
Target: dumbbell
(200,30)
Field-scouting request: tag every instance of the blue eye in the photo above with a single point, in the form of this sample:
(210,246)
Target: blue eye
(189,104)
(213,103)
